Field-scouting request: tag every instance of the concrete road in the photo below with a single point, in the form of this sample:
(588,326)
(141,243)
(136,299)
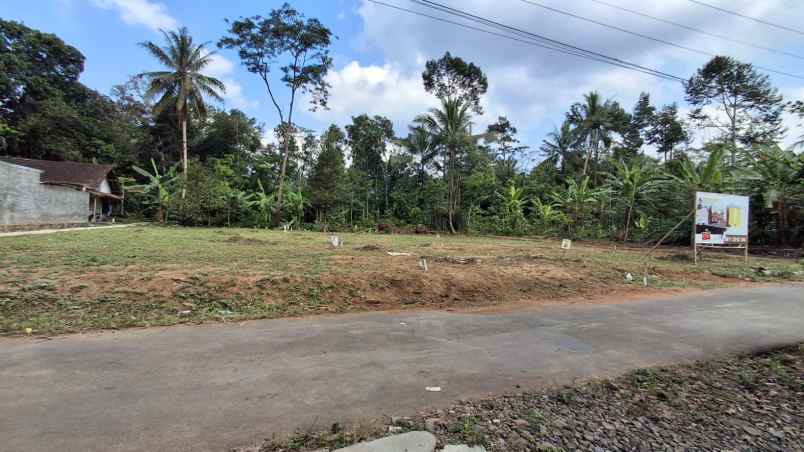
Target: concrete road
(218,386)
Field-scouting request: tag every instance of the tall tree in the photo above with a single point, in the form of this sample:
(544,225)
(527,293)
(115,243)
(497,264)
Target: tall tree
(33,64)
(666,131)
(182,86)
(559,146)
(595,121)
(422,144)
(451,124)
(368,139)
(640,120)
(747,108)
(300,47)
(452,78)
(501,135)
(327,177)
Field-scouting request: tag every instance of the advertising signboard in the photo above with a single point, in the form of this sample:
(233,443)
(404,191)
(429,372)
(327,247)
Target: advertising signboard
(721,219)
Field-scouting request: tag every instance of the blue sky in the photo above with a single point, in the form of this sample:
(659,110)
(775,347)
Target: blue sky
(380,52)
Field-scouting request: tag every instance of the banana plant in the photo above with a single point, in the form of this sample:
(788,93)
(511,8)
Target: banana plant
(296,203)
(633,183)
(264,202)
(160,188)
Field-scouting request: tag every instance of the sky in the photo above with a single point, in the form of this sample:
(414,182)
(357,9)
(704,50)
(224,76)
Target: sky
(380,52)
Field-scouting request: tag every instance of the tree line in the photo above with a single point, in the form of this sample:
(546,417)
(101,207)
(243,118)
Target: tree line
(607,172)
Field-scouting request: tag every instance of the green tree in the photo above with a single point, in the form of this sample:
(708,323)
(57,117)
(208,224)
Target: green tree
(748,108)
(506,148)
(666,131)
(182,85)
(228,133)
(451,124)
(422,144)
(595,121)
(639,121)
(559,146)
(368,139)
(328,175)
(299,46)
(452,78)
(33,65)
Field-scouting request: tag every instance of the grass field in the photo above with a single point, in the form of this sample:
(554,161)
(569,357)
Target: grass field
(146,276)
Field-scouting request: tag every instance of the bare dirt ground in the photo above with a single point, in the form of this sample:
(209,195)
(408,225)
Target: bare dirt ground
(146,276)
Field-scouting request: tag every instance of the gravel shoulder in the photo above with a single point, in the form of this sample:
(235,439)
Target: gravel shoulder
(753,402)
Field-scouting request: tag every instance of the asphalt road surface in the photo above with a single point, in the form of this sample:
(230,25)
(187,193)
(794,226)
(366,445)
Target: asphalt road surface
(217,386)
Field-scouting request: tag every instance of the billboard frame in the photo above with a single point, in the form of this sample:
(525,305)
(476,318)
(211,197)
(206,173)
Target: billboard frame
(743,244)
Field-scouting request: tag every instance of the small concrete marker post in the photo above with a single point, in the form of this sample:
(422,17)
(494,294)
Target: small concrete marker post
(566,245)
(423,263)
(406,442)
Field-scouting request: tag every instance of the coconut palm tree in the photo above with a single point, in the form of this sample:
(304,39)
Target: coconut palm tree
(594,121)
(559,145)
(422,143)
(182,86)
(451,125)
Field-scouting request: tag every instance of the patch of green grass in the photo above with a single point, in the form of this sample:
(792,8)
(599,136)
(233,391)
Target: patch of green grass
(469,431)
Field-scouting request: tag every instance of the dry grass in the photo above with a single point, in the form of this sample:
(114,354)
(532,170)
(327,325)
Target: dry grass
(145,276)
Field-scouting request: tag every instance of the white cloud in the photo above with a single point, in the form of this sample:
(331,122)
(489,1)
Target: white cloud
(141,12)
(376,90)
(221,68)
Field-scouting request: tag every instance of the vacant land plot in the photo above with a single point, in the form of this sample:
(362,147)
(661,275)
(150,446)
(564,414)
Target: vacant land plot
(145,276)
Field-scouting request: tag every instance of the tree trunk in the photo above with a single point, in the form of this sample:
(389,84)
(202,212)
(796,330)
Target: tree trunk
(183,120)
(627,223)
(280,191)
(451,190)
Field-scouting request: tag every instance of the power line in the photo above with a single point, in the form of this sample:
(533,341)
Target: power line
(698,30)
(541,42)
(762,21)
(531,35)
(644,36)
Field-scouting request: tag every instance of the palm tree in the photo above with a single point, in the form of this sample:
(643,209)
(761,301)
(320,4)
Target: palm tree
(451,124)
(594,121)
(559,144)
(632,182)
(422,143)
(183,85)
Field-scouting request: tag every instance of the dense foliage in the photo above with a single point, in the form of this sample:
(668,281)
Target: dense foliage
(607,171)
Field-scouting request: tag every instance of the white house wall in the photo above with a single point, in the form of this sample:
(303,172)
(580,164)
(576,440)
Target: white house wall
(24,200)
